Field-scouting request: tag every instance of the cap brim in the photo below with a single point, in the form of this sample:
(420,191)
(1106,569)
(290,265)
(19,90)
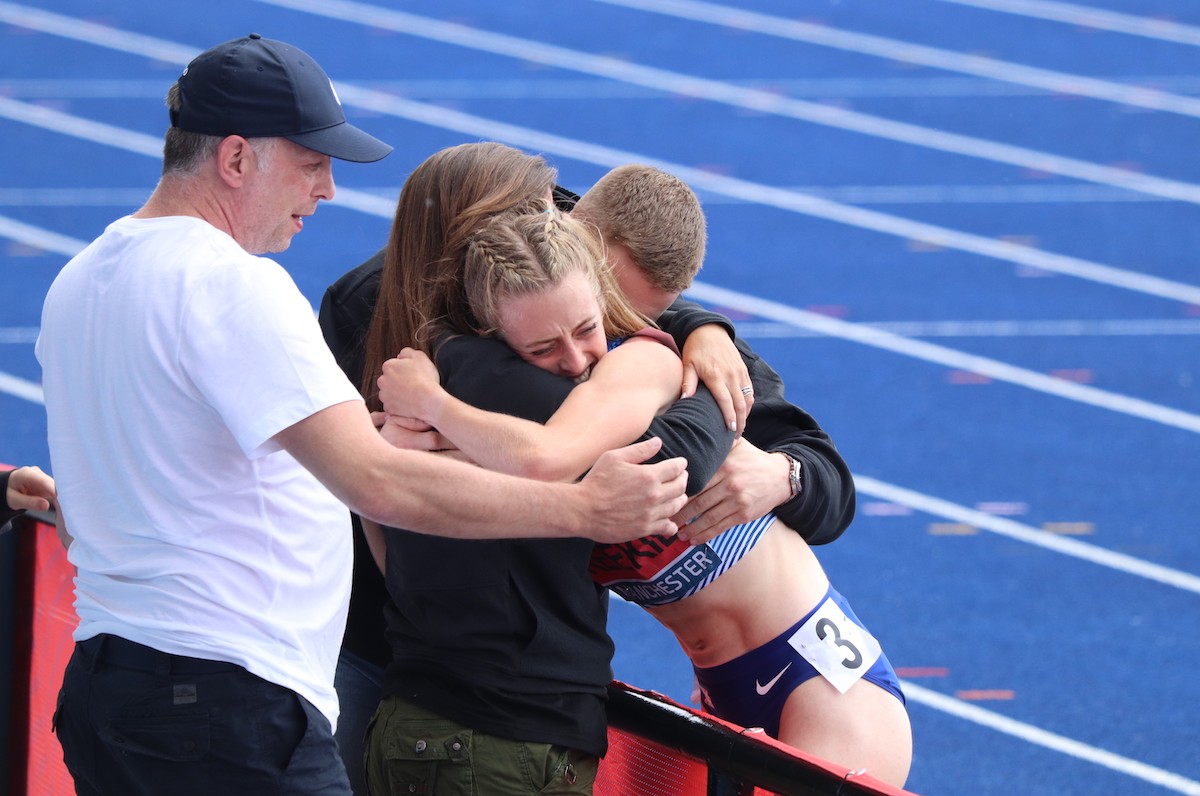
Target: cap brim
(345,142)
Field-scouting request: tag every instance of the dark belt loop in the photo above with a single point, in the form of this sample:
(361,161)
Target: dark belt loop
(162,664)
(94,648)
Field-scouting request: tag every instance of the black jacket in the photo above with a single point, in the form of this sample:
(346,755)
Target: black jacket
(825,507)
(507,637)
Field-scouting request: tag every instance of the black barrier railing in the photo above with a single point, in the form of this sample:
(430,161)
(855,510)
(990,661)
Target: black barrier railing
(737,760)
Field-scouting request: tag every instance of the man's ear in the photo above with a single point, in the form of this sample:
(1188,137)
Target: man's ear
(235,158)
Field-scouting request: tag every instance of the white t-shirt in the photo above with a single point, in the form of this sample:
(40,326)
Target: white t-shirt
(170,359)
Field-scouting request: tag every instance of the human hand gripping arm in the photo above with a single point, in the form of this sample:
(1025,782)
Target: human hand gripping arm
(750,483)
(627,388)
(620,499)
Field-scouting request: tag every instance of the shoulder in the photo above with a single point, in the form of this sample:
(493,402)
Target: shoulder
(657,335)
(359,284)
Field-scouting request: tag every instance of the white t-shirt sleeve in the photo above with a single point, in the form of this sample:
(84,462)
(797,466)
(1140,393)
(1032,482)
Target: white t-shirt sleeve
(252,347)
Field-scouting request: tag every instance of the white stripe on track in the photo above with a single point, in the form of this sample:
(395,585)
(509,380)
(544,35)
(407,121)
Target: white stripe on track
(739,189)
(39,238)
(831,326)
(21,388)
(1050,740)
(907,52)
(35,236)
(1152,327)
(1020,532)
(94,33)
(749,98)
(929,352)
(1098,19)
(742,190)
(780,198)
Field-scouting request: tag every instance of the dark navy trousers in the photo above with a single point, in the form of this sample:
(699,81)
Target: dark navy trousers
(135,721)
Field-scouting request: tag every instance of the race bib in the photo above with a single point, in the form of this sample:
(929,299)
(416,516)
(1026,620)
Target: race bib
(835,646)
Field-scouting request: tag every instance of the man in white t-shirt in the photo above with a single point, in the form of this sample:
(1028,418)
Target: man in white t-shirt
(206,445)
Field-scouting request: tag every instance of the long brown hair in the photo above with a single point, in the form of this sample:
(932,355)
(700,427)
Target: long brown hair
(446,199)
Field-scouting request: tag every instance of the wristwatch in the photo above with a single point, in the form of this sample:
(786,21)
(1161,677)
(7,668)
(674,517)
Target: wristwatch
(795,474)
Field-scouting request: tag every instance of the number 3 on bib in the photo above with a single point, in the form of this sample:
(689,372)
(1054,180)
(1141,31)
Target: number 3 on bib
(835,646)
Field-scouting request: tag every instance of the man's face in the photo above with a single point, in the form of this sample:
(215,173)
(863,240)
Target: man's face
(646,297)
(283,189)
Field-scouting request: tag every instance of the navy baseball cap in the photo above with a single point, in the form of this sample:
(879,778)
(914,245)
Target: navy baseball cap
(260,88)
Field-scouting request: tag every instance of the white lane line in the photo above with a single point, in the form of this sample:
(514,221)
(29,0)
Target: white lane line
(1099,19)
(1050,740)
(737,96)
(1020,532)
(907,52)
(830,326)
(1150,327)
(877,338)
(18,334)
(21,388)
(780,198)
(739,189)
(847,194)
(742,190)
(94,33)
(40,238)
(929,352)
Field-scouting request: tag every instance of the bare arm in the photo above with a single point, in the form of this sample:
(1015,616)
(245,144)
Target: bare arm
(627,388)
(619,500)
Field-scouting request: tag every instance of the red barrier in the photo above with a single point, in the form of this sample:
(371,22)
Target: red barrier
(656,746)
(41,647)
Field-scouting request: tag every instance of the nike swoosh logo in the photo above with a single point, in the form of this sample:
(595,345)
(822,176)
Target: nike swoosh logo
(763,689)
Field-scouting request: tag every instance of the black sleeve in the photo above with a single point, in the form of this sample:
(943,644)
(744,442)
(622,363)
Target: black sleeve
(825,506)
(345,315)
(684,317)
(345,319)
(489,375)
(695,429)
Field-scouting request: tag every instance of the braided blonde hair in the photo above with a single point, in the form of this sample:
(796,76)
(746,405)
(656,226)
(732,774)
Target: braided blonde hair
(448,197)
(532,249)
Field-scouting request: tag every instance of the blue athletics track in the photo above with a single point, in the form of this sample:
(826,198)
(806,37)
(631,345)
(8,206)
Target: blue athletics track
(966,233)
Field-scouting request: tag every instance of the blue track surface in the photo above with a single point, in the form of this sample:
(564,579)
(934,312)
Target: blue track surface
(966,236)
